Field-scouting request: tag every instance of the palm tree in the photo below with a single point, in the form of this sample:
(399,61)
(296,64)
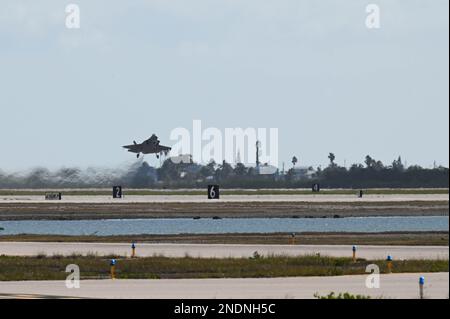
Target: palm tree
(332,157)
(294,161)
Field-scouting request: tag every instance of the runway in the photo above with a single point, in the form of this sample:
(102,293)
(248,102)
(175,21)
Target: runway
(391,286)
(90,207)
(324,198)
(221,251)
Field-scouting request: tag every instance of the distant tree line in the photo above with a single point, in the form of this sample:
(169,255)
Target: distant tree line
(372,174)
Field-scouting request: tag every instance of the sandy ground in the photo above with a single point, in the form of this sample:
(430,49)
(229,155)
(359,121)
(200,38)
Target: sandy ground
(228,198)
(230,206)
(391,286)
(223,251)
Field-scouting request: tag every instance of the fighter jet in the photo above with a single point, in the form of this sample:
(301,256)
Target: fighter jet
(150,146)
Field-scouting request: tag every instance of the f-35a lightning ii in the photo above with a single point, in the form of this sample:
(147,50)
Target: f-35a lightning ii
(150,146)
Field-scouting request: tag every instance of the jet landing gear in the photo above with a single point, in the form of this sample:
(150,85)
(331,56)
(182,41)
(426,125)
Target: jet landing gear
(158,155)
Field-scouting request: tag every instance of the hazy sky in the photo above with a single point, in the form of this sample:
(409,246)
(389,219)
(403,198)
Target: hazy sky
(72,97)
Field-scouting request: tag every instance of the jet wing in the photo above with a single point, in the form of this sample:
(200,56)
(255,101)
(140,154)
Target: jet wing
(164,148)
(134,145)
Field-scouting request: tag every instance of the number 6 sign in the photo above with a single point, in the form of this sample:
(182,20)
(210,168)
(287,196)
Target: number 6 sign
(213,191)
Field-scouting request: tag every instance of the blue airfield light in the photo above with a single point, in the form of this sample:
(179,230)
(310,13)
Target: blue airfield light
(422,280)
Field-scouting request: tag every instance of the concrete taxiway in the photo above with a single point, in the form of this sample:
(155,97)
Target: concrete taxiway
(391,286)
(323,198)
(222,251)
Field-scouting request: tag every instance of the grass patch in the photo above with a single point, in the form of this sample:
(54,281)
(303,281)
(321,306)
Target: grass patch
(93,267)
(388,238)
(344,295)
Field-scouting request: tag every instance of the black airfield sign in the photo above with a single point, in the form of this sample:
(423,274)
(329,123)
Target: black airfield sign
(213,192)
(53,196)
(316,188)
(117,192)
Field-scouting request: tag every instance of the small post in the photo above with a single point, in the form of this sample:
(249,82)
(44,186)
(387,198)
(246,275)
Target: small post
(133,250)
(421,284)
(354,253)
(113,269)
(389,264)
(292,240)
